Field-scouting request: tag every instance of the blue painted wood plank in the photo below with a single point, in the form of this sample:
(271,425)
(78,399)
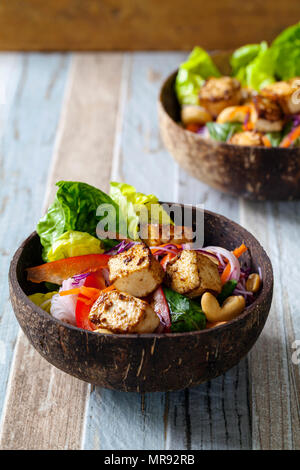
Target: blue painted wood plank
(213,415)
(275,381)
(33,96)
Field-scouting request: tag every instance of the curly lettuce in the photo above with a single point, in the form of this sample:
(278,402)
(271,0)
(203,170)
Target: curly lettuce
(257,65)
(137,208)
(73,243)
(42,300)
(74,209)
(192,74)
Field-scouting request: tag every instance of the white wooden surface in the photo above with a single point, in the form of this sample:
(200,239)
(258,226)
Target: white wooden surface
(93,117)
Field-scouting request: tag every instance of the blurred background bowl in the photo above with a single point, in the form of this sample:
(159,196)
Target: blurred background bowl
(257,173)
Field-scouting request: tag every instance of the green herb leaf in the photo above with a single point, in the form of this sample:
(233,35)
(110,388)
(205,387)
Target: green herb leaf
(223,132)
(186,314)
(227,290)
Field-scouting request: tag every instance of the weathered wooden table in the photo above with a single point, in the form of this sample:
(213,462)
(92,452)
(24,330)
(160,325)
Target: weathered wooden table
(93,117)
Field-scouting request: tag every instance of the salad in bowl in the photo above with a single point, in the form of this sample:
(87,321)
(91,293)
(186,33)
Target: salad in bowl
(118,264)
(257,104)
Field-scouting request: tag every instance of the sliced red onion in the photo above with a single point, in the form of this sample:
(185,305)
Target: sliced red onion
(123,246)
(235,269)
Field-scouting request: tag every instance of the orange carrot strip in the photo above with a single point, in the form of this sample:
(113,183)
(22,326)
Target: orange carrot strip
(157,248)
(266,141)
(89,292)
(192,127)
(237,252)
(289,139)
(86,291)
(109,288)
(166,259)
(240,250)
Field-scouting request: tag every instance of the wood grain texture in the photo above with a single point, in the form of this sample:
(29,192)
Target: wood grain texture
(135,25)
(175,420)
(32,90)
(45,408)
(274,378)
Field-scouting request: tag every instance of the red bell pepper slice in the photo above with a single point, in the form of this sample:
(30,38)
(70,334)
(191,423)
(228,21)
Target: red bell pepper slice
(57,271)
(166,259)
(161,308)
(95,280)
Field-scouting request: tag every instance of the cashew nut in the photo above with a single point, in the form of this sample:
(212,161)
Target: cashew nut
(230,309)
(253,283)
(194,114)
(103,330)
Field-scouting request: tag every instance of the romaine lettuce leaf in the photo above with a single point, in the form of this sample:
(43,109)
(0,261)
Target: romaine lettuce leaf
(73,243)
(74,208)
(186,314)
(244,55)
(254,65)
(257,65)
(192,74)
(137,207)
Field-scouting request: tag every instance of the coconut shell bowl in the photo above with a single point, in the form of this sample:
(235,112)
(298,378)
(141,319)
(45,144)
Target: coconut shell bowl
(147,362)
(256,173)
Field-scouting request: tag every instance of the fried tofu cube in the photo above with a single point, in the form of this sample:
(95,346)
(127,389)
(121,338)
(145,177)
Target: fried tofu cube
(219,93)
(286,93)
(268,114)
(250,138)
(135,271)
(117,312)
(192,274)
(158,234)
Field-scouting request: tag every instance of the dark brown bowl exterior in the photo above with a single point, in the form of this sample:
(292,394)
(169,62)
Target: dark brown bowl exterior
(144,363)
(257,173)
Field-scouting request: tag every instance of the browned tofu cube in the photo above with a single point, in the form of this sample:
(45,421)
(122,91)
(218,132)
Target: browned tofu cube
(286,93)
(117,312)
(136,271)
(192,273)
(158,234)
(219,93)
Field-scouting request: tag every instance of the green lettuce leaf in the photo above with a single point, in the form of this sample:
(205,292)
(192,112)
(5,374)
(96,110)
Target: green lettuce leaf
(186,314)
(223,132)
(253,65)
(192,74)
(257,65)
(137,208)
(244,55)
(73,243)
(290,34)
(286,49)
(260,71)
(74,208)
(43,300)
